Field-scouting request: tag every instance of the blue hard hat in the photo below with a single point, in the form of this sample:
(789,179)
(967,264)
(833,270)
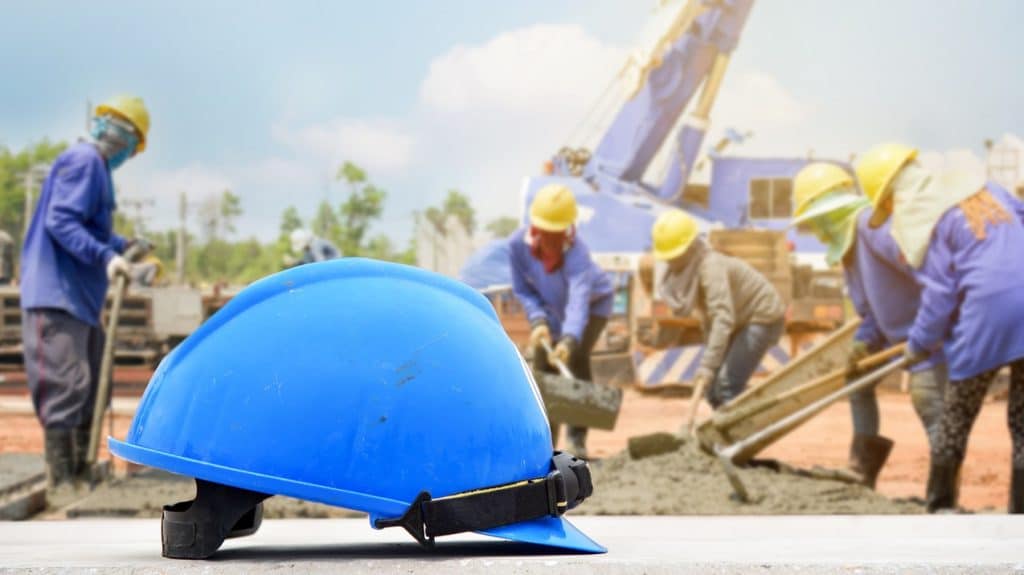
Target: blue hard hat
(362,384)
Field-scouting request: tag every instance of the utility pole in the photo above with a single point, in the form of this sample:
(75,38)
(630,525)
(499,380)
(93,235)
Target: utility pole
(179,251)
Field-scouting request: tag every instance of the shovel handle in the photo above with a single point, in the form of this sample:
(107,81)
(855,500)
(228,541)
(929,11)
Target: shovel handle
(698,393)
(106,369)
(562,369)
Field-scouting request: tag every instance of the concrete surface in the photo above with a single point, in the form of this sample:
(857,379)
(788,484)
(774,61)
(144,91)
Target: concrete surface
(648,545)
(22,485)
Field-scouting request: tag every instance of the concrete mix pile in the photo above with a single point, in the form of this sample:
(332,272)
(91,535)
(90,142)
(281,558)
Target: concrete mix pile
(690,482)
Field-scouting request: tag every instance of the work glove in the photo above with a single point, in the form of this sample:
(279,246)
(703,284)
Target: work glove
(117,265)
(563,350)
(914,356)
(540,333)
(857,352)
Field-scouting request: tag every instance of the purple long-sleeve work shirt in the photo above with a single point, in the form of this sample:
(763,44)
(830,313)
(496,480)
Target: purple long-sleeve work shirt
(71,237)
(883,288)
(972,299)
(565,298)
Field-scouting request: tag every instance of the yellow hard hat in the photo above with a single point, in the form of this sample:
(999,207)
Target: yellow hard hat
(553,208)
(877,169)
(130,109)
(673,232)
(814,181)
(151,259)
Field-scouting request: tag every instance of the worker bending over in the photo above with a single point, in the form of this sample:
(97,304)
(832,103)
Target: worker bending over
(311,249)
(963,237)
(567,298)
(70,253)
(741,313)
(884,293)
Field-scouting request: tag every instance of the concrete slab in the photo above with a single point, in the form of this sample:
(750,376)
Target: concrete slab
(22,485)
(649,545)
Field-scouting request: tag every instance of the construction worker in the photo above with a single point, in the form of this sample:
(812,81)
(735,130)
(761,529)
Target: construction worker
(311,249)
(884,293)
(567,298)
(962,236)
(741,313)
(147,272)
(70,254)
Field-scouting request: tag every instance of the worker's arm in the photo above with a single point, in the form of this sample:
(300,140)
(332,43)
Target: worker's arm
(581,272)
(868,331)
(525,292)
(74,199)
(938,292)
(714,281)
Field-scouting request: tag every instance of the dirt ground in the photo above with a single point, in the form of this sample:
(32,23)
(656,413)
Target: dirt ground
(823,441)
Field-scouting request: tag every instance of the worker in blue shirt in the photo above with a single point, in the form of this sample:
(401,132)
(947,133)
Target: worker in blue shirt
(963,236)
(311,249)
(567,297)
(70,254)
(885,294)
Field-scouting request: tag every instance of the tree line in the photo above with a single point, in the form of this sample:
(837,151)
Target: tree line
(215,254)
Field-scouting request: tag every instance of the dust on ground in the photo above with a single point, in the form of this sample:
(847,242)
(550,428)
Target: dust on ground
(690,482)
(144,495)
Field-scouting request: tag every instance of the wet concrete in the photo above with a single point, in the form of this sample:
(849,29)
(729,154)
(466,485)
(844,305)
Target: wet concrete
(690,482)
(636,545)
(145,494)
(19,469)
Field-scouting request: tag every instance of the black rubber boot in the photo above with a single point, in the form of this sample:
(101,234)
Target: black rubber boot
(943,486)
(1017,490)
(58,457)
(868,454)
(81,471)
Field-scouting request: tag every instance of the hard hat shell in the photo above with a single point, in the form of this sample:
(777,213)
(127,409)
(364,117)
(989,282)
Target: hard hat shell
(672,233)
(131,109)
(877,170)
(813,182)
(354,383)
(553,208)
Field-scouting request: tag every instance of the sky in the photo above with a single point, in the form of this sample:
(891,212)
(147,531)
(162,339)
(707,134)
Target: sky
(269,98)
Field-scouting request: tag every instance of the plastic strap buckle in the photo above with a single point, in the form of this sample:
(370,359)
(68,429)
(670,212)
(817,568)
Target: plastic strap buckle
(412,521)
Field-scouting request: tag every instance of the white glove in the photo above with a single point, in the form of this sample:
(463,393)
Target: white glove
(117,265)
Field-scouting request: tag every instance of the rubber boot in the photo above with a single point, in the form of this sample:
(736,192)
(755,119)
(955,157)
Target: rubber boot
(80,469)
(578,441)
(60,487)
(1017,490)
(943,488)
(58,457)
(868,454)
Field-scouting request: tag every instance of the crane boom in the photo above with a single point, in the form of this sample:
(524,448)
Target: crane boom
(694,52)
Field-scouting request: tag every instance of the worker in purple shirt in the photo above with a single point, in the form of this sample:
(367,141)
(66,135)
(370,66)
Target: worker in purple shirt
(567,297)
(885,294)
(70,254)
(963,237)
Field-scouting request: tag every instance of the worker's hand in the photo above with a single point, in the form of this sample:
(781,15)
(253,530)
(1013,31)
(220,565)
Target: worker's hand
(117,265)
(540,333)
(857,352)
(563,350)
(914,356)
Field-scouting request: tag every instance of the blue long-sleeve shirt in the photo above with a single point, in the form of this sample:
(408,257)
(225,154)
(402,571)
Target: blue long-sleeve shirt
(565,298)
(883,288)
(972,299)
(70,239)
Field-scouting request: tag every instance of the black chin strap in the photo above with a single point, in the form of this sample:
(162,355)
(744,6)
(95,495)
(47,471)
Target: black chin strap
(565,487)
(196,529)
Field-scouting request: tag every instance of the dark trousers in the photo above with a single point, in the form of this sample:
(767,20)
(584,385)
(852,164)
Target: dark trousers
(963,403)
(579,365)
(62,362)
(746,349)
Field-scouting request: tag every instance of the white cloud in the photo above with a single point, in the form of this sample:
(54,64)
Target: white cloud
(757,101)
(378,144)
(530,69)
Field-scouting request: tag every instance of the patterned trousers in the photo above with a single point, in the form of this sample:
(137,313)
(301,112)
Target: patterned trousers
(962,405)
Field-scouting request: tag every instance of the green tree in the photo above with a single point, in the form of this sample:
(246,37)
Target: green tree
(455,204)
(230,210)
(364,205)
(14,166)
(290,221)
(325,223)
(502,227)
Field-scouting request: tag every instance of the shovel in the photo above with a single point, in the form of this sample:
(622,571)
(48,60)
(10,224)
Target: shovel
(727,455)
(575,401)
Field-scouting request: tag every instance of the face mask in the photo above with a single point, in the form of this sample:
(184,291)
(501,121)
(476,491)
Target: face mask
(836,228)
(115,139)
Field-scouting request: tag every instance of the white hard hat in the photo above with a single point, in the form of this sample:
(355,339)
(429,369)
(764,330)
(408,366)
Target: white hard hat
(301,240)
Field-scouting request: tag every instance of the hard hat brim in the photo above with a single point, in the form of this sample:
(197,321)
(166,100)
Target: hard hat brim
(548,225)
(666,255)
(822,206)
(548,531)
